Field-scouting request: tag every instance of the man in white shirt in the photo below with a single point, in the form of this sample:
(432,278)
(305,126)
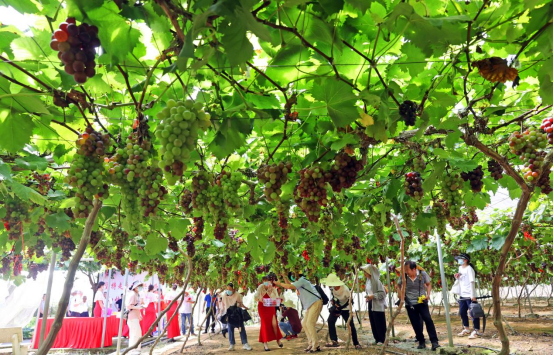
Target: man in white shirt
(82,308)
(186,314)
(74,302)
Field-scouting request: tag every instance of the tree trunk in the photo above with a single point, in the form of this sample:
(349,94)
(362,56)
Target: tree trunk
(69,279)
(497,310)
(402,288)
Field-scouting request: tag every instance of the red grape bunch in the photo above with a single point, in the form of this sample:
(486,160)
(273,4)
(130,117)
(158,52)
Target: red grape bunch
(178,133)
(198,228)
(450,188)
(475,178)
(546,126)
(191,250)
(274,176)
(230,184)
(86,173)
(408,112)
(186,202)
(172,243)
(311,192)
(344,171)
(495,169)
(413,186)
(37,249)
(470,217)
(34,269)
(17,264)
(76,46)
(65,243)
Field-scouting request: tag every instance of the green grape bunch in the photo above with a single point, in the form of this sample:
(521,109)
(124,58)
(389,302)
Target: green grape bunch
(274,176)
(230,184)
(178,133)
(450,188)
(86,173)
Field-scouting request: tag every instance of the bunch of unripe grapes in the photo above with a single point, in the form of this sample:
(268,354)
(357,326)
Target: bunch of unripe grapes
(475,177)
(34,269)
(17,213)
(546,126)
(86,173)
(151,190)
(377,224)
(450,187)
(344,171)
(186,202)
(419,164)
(230,184)
(200,186)
(283,213)
(327,252)
(527,143)
(178,133)
(413,185)
(495,169)
(274,176)
(217,211)
(440,208)
(76,46)
(408,112)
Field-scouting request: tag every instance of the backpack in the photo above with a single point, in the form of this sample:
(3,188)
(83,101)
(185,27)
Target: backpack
(476,311)
(322,296)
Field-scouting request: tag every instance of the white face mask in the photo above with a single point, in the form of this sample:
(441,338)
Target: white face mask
(229,292)
(461,261)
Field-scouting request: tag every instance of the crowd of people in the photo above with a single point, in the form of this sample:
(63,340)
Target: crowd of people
(279,318)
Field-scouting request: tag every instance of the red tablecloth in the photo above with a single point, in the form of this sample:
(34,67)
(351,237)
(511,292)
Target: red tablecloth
(81,333)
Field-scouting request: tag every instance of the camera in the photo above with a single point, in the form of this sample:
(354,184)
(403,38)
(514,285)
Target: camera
(422,299)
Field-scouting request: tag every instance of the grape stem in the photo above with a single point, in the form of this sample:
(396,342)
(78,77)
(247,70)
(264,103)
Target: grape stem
(521,117)
(126,77)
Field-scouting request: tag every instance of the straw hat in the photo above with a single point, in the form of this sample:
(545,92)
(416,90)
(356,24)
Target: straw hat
(366,268)
(289,304)
(332,280)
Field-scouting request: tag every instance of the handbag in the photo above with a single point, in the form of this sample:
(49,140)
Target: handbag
(245,315)
(456,288)
(126,313)
(476,310)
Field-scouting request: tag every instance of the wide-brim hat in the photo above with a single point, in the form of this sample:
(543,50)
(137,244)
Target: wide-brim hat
(135,285)
(332,280)
(463,256)
(366,268)
(218,290)
(289,304)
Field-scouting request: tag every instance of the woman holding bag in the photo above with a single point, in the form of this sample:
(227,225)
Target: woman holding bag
(269,329)
(466,279)
(376,302)
(231,304)
(133,305)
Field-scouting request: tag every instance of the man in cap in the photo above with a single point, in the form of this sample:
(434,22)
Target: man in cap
(290,323)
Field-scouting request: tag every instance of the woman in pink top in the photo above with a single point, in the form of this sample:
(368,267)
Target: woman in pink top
(134,306)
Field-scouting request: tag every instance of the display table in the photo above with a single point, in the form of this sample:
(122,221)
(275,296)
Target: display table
(81,333)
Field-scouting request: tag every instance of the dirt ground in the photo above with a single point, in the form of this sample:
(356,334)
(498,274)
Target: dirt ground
(534,336)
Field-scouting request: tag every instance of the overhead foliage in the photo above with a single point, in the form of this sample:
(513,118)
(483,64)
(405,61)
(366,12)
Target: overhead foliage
(332,101)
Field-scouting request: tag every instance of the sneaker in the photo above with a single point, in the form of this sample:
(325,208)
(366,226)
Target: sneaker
(435,346)
(294,336)
(247,347)
(231,347)
(474,335)
(464,332)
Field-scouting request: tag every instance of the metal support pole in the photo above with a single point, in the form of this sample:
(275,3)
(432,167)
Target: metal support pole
(121,311)
(105,310)
(389,293)
(444,293)
(47,300)
(160,323)
(358,296)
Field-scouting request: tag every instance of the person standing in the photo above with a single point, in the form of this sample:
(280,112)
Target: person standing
(468,295)
(150,313)
(186,314)
(311,303)
(41,307)
(418,291)
(230,307)
(269,328)
(83,308)
(99,300)
(290,324)
(376,302)
(119,303)
(210,310)
(173,330)
(74,302)
(340,308)
(134,306)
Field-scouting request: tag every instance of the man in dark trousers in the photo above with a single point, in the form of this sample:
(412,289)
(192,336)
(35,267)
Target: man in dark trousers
(210,320)
(418,290)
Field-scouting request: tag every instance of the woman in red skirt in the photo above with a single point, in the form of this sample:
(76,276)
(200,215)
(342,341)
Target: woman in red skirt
(269,329)
(151,311)
(173,329)
(99,300)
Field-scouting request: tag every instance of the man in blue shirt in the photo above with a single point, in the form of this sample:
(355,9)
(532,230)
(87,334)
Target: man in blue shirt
(210,310)
(311,303)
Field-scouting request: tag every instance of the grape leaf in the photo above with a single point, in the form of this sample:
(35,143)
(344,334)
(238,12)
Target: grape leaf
(155,244)
(58,221)
(339,99)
